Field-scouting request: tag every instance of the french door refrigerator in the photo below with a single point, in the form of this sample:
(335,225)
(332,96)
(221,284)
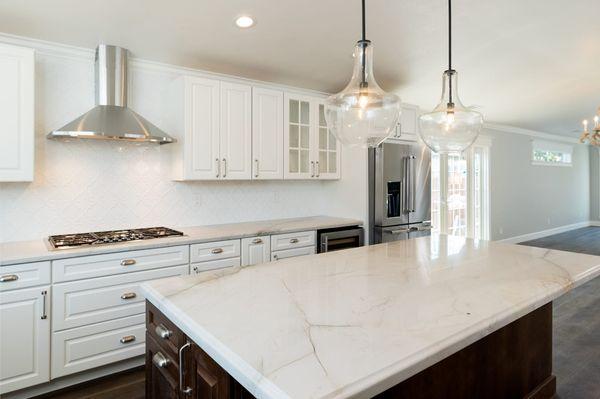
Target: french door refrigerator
(399,192)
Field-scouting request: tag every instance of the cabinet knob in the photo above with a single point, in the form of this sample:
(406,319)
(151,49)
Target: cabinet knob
(163,331)
(160,360)
(127,339)
(128,295)
(216,251)
(128,262)
(293,240)
(8,278)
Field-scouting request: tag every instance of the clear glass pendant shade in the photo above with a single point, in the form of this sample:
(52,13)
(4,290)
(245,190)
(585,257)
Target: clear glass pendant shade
(362,114)
(450,127)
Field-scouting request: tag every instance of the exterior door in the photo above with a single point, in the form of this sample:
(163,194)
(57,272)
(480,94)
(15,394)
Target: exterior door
(201,129)
(299,129)
(24,338)
(236,131)
(327,148)
(267,134)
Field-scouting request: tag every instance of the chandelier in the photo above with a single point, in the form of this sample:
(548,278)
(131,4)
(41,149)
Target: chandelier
(593,136)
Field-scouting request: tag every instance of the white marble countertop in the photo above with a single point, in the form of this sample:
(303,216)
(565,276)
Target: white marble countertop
(357,322)
(39,250)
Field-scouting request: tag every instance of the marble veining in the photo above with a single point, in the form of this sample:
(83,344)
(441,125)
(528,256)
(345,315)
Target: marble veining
(38,250)
(356,322)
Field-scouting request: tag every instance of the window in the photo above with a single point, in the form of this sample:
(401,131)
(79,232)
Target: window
(460,192)
(550,153)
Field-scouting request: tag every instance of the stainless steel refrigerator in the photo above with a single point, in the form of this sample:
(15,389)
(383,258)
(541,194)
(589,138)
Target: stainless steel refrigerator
(399,192)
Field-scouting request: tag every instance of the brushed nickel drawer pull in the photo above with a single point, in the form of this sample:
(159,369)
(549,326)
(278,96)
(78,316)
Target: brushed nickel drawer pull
(217,251)
(127,339)
(128,262)
(218,167)
(163,331)
(293,240)
(257,241)
(7,278)
(44,314)
(128,295)
(160,360)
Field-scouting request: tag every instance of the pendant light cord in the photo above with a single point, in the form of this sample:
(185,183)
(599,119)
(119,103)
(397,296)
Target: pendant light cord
(364,45)
(450,70)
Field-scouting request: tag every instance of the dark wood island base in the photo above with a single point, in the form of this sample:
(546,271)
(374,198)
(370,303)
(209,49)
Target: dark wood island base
(514,362)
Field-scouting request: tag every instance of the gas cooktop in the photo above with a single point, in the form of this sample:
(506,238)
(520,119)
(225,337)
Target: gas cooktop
(110,237)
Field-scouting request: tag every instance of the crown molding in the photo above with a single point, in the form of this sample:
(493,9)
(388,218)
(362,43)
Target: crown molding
(531,133)
(74,53)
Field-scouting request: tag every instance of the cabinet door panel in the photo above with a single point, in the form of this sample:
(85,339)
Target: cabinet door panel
(16,113)
(201,129)
(210,381)
(267,134)
(162,381)
(256,250)
(298,138)
(236,131)
(24,338)
(327,148)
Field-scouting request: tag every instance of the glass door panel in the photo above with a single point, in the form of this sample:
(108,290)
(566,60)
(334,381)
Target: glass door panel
(299,136)
(327,145)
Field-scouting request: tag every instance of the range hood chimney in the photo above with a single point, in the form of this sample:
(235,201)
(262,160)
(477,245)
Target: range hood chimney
(110,119)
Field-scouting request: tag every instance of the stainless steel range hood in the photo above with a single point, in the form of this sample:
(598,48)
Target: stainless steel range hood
(110,119)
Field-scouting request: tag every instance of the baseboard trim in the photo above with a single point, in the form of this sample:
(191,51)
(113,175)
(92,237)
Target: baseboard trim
(549,232)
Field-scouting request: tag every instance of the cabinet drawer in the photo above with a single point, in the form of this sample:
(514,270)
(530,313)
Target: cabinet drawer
(87,347)
(24,275)
(117,263)
(214,250)
(291,253)
(166,334)
(78,303)
(293,240)
(215,264)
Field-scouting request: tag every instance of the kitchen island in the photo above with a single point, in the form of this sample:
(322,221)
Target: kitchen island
(436,316)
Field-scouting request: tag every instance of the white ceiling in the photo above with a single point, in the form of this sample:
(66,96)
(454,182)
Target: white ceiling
(529,63)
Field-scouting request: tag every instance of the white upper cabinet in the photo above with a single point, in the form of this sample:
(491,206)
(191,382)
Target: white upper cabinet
(236,131)
(310,150)
(199,157)
(267,134)
(16,113)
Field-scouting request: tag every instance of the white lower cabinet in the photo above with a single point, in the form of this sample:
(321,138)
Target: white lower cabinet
(293,240)
(100,299)
(292,253)
(215,264)
(256,250)
(24,338)
(98,344)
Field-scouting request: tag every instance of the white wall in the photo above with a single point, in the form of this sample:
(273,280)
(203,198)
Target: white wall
(526,198)
(595,183)
(90,185)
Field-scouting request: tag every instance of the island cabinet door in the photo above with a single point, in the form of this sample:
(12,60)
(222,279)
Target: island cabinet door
(162,372)
(208,379)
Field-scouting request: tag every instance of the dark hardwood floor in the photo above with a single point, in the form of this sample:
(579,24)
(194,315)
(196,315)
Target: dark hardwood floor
(576,322)
(127,385)
(585,241)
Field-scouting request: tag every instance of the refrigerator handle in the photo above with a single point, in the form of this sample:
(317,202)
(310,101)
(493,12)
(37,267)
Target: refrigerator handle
(405,187)
(413,179)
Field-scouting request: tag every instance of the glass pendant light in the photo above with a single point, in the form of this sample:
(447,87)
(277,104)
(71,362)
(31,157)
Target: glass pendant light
(362,114)
(450,127)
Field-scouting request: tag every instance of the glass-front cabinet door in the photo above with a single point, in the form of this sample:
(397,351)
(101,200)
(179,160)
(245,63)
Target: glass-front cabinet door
(327,163)
(310,150)
(298,137)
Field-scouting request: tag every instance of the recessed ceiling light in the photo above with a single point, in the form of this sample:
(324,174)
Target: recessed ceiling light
(244,21)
